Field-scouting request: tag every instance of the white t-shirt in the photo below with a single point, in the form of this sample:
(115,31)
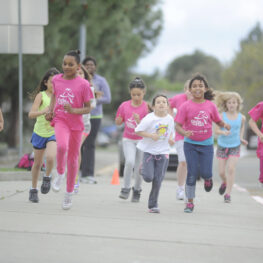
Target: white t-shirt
(163,126)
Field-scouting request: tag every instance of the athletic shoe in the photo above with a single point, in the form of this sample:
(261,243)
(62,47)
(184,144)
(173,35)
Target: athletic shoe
(67,202)
(136,194)
(208,185)
(154,210)
(46,183)
(222,188)
(33,197)
(180,193)
(227,198)
(88,180)
(57,182)
(125,192)
(189,208)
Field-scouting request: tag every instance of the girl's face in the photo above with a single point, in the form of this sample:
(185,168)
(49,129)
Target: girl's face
(70,67)
(161,105)
(232,104)
(137,95)
(81,73)
(49,85)
(198,89)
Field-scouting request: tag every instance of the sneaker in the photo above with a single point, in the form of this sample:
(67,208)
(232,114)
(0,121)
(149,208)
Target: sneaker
(180,193)
(189,208)
(155,210)
(125,192)
(136,194)
(227,198)
(67,202)
(33,197)
(46,183)
(57,182)
(208,185)
(88,180)
(222,188)
(76,187)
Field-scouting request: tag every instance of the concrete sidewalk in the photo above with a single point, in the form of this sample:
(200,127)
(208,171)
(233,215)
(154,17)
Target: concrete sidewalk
(100,227)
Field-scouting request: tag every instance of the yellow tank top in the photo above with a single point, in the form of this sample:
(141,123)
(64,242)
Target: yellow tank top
(42,126)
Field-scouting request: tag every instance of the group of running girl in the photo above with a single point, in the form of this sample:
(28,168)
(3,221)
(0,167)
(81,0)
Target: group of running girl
(63,101)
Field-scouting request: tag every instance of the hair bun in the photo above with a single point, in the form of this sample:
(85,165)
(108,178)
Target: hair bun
(78,51)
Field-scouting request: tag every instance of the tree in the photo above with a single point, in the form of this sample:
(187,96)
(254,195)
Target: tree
(182,68)
(118,33)
(245,74)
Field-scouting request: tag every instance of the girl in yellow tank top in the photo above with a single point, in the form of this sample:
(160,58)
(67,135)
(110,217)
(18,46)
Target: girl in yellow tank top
(43,137)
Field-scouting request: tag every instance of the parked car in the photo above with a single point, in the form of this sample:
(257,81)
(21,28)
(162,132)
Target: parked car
(252,139)
(173,159)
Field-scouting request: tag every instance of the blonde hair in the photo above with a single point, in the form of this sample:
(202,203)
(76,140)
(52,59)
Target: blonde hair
(223,97)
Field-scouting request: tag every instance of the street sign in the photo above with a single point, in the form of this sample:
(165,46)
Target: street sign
(32,39)
(33,12)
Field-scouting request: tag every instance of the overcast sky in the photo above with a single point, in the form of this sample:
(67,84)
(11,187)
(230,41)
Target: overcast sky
(212,26)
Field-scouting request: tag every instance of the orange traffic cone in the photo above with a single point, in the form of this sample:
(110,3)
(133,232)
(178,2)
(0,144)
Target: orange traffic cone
(115,177)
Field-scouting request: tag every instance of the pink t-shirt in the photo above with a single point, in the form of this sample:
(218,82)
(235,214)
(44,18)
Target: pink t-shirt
(198,117)
(75,92)
(126,111)
(256,113)
(176,102)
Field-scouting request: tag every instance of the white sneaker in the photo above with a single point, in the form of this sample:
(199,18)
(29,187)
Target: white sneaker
(57,182)
(88,180)
(180,193)
(67,202)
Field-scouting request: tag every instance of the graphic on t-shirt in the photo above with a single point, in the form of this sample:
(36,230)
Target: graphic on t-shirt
(66,98)
(131,124)
(162,130)
(200,120)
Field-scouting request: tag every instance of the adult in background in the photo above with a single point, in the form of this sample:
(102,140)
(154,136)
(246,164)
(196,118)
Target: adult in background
(103,96)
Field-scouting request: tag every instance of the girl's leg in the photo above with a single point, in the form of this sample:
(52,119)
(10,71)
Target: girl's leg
(62,136)
(192,160)
(129,150)
(138,177)
(50,156)
(181,173)
(147,168)
(222,169)
(161,164)
(72,158)
(231,172)
(38,161)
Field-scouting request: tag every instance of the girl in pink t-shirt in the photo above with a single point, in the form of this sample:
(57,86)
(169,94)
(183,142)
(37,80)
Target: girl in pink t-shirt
(70,99)
(130,113)
(175,103)
(256,114)
(194,121)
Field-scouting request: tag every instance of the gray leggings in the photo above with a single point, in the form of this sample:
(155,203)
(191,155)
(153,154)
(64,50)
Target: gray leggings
(132,156)
(153,170)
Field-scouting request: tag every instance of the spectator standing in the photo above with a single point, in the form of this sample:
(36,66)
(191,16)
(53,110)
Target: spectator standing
(103,96)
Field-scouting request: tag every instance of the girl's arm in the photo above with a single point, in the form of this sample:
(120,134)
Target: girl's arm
(1,120)
(242,131)
(118,120)
(171,140)
(224,125)
(85,110)
(50,113)
(34,111)
(179,129)
(253,125)
(218,131)
(153,136)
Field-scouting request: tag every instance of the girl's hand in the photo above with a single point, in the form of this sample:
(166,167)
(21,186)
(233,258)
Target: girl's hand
(136,117)
(98,94)
(154,136)
(45,111)
(171,142)
(188,133)
(244,142)
(49,116)
(261,137)
(68,108)
(226,133)
(227,126)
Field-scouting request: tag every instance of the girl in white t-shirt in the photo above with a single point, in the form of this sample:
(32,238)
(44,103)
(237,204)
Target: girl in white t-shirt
(157,130)
(130,113)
